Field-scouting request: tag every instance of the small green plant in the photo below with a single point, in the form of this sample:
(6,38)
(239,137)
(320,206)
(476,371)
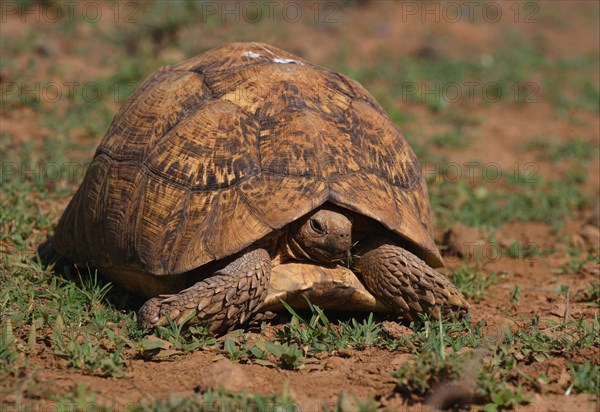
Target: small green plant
(575,264)
(289,356)
(556,151)
(175,338)
(518,251)
(515,296)
(457,334)
(536,341)
(82,352)
(454,139)
(346,402)
(93,291)
(590,295)
(234,351)
(81,398)
(440,358)
(429,369)
(318,335)
(586,378)
(498,395)
(265,353)
(222,400)
(432,365)
(472,284)
(8,341)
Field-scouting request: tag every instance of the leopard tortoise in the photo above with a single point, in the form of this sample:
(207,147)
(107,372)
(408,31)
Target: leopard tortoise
(245,176)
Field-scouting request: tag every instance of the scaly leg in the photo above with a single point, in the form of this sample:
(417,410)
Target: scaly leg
(405,282)
(222,301)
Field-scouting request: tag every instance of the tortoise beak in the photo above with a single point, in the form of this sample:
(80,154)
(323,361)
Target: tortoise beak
(332,249)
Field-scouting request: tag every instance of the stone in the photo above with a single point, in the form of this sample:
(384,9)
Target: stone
(225,374)
(591,235)
(464,241)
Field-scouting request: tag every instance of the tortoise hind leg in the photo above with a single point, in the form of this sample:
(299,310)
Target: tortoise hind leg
(226,299)
(405,282)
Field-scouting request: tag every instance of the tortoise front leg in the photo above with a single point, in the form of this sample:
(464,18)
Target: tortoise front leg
(226,299)
(404,282)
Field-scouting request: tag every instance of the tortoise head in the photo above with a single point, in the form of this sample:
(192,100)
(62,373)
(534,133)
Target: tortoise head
(322,235)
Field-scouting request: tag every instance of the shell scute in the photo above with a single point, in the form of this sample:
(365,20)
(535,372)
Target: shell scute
(211,149)
(150,112)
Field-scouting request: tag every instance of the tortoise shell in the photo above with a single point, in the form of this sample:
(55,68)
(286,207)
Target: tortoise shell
(209,156)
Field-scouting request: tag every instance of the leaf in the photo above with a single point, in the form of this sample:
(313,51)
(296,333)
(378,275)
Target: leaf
(263,362)
(256,352)
(230,346)
(32,338)
(59,324)
(292,311)
(274,348)
(167,353)
(8,336)
(152,342)
(260,344)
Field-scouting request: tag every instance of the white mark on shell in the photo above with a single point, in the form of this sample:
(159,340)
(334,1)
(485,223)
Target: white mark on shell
(286,61)
(275,58)
(251,54)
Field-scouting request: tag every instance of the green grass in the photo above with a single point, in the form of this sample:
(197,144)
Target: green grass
(538,340)
(518,251)
(83,398)
(318,334)
(509,76)
(579,258)
(75,315)
(493,200)
(8,348)
(590,295)
(300,339)
(472,284)
(576,263)
(495,370)
(515,296)
(84,353)
(454,139)
(557,151)
(586,378)
(352,402)
(266,353)
(222,400)
(440,359)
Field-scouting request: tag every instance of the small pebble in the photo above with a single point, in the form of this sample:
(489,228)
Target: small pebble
(225,374)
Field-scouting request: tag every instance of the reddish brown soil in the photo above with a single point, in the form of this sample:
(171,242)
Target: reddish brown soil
(365,31)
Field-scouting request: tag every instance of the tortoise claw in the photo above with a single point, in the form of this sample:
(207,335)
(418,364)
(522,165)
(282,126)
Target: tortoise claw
(149,314)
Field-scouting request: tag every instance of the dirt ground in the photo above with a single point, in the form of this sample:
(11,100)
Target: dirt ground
(364,34)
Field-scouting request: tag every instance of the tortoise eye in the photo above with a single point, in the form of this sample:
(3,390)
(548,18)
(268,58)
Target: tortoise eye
(317,226)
